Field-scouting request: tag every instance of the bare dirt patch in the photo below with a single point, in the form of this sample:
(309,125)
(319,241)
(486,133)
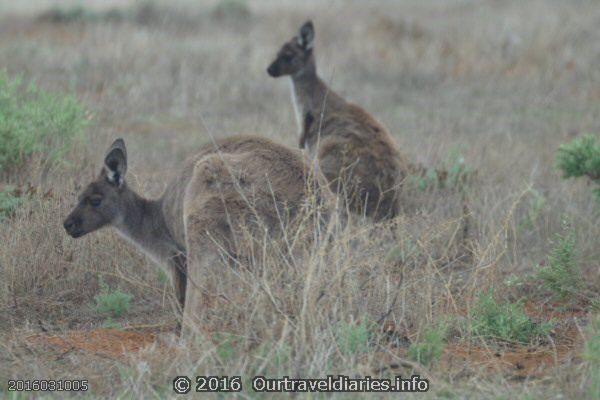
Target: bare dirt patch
(521,362)
(105,341)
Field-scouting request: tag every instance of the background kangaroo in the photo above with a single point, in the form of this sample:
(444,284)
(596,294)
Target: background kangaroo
(231,184)
(357,154)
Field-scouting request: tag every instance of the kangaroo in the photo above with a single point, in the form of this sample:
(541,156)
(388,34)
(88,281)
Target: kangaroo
(231,184)
(356,153)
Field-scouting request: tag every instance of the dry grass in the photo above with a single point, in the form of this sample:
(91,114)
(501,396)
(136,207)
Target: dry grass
(502,83)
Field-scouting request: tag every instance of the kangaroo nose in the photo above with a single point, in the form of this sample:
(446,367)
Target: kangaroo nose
(68,224)
(272,70)
(71,225)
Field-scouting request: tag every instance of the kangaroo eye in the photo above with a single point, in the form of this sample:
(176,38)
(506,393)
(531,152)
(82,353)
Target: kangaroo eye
(95,201)
(287,57)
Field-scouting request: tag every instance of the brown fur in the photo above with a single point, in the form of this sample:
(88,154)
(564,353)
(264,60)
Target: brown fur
(356,153)
(233,186)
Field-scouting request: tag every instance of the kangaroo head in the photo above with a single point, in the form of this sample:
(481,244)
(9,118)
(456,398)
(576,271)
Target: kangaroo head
(102,202)
(295,56)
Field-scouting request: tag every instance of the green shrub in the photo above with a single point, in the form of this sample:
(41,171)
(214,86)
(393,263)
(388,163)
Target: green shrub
(581,157)
(353,338)
(561,274)
(456,175)
(458,172)
(9,201)
(507,321)
(162,276)
(428,179)
(429,349)
(114,302)
(33,121)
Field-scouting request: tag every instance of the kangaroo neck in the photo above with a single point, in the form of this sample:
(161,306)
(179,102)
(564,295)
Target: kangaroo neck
(143,223)
(312,98)
(309,92)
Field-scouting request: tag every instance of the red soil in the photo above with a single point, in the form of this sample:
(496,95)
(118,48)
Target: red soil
(519,362)
(109,342)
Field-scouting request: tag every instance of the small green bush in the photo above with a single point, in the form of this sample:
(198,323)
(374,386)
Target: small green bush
(561,274)
(33,121)
(9,201)
(458,172)
(507,322)
(162,276)
(428,179)
(113,302)
(429,349)
(581,157)
(456,175)
(353,338)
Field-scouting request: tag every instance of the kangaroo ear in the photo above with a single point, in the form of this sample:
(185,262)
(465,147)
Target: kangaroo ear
(115,163)
(306,35)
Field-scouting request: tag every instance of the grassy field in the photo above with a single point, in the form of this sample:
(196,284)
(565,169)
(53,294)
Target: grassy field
(507,308)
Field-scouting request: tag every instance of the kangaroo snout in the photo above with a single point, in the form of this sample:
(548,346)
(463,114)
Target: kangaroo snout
(273,70)
(73,226)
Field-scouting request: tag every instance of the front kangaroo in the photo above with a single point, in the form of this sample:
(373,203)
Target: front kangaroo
(237,183)
(356,154)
